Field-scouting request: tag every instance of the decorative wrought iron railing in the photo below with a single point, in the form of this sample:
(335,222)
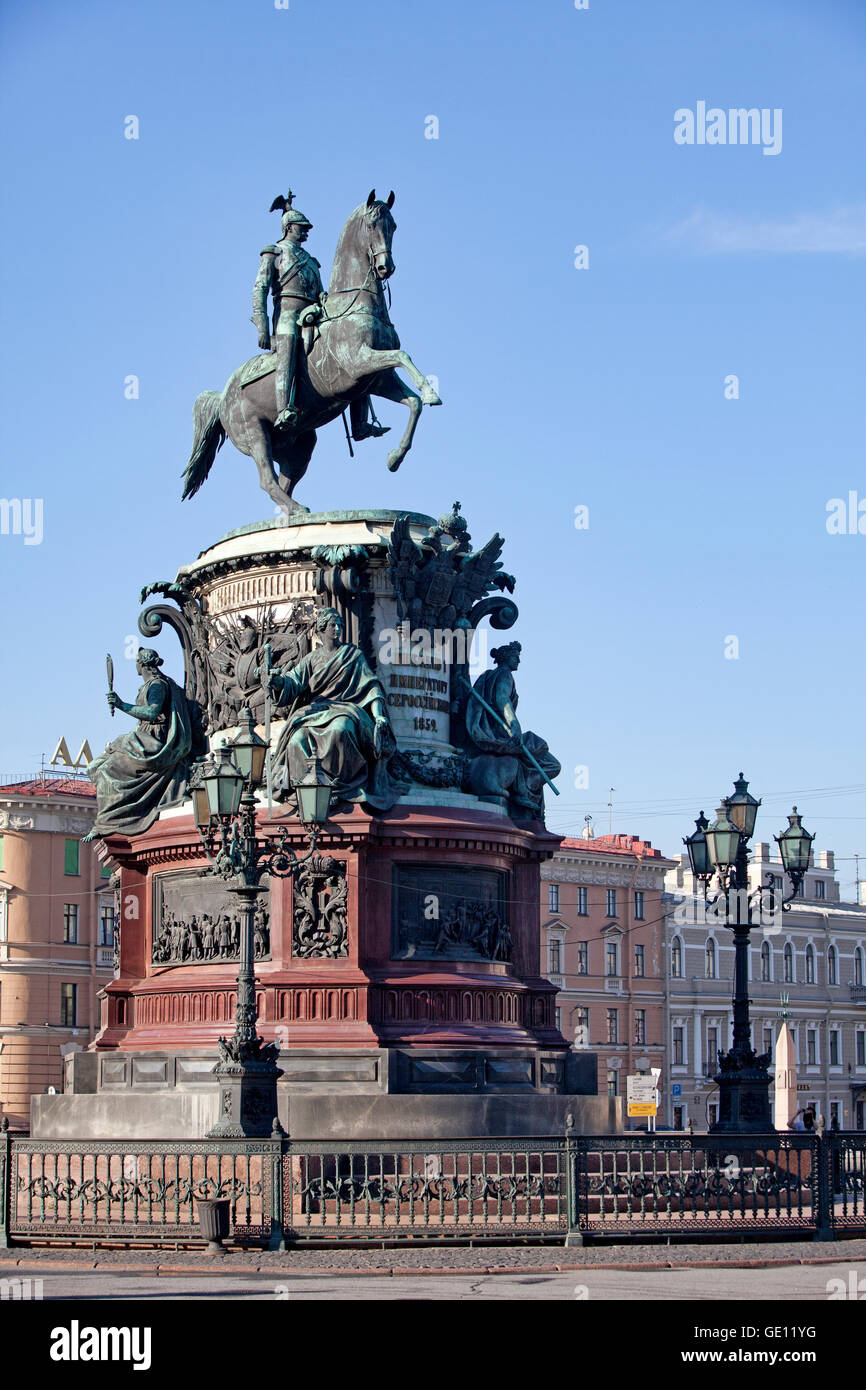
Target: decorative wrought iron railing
(572,1188)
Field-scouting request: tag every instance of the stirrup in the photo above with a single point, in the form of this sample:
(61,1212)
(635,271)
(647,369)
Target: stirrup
(369,431)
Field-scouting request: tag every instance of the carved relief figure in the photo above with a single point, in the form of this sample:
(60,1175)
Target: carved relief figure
(320,926)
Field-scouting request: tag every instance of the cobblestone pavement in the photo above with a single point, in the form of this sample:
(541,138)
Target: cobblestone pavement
(440,1259)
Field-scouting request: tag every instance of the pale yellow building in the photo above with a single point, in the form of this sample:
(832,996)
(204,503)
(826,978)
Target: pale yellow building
(56,933)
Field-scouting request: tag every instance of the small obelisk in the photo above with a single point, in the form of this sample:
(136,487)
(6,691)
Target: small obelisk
(785,1105)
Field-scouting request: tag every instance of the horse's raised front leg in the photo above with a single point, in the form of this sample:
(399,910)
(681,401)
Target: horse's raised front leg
(376,360)
(391,388)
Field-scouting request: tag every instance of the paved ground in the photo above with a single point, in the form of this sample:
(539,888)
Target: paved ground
(779,1283)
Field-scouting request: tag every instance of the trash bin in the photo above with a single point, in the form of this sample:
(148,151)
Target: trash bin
(214,1220)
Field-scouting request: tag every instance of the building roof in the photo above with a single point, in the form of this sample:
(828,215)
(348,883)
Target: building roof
(630,845)
(46,786)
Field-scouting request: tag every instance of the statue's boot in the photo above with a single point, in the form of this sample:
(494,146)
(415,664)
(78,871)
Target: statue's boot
(287,347)
(363,427)
(369,430)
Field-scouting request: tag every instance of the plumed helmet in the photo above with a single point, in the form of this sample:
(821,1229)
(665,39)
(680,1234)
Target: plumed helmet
(283,203)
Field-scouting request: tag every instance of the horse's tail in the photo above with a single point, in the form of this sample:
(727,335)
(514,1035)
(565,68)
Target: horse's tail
(209,437)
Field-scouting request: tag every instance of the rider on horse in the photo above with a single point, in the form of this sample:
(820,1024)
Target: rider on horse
(292,276)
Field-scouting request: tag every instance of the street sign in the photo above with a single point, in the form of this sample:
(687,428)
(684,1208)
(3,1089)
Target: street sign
(676,1089)
(641,1095)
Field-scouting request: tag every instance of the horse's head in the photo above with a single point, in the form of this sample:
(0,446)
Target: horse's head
(380,227)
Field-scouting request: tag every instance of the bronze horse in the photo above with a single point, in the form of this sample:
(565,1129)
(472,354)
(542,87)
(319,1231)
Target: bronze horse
(355,354)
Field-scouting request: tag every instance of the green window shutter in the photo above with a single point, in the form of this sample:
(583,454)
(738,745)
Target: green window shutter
(71,859)
(105,872)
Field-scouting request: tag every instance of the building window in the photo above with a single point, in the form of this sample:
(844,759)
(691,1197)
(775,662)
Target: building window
(555,957)
(810,966)
(676,959)
(765,961)
(582,958)
(69,1006)
(611,902)
(613,1082)
(70,923)
(679,1058)
(553,897)
(712,1050)
(820,888)
(711,959)
(789,964)
(581,1027)
(834,1048)
(1,852)
(712,1115)
(858,966)
(613,1026)
(639,962)
(640,1027)
(811,1048)
(638,907)
(106,871)
(71,857)
(768,1041)
(106,926)
(832,969)
(861,1049)
(612,957)
(583,902)
(558,1013)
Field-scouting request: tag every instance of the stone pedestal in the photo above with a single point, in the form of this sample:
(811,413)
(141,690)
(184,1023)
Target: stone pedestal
(405,962)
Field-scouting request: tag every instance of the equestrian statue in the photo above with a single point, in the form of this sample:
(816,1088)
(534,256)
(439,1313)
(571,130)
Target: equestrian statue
(321,353)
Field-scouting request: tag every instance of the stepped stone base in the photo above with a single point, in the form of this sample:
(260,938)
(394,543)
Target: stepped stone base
(384,1118)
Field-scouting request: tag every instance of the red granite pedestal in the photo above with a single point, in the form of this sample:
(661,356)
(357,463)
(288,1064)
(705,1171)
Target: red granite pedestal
(368,999)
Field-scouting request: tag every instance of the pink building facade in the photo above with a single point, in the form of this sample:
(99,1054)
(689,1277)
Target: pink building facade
(601,945)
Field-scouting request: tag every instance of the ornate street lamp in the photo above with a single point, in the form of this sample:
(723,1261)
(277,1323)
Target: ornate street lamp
(723,841)
(743,808)
(698,851)
(248,751)
(743,1078)
(224,804)
(795,848)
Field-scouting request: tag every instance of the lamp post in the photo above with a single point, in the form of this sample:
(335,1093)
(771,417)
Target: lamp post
(722,850)
(224,805)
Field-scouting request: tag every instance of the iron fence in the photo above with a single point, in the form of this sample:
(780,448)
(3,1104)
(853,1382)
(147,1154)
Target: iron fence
(571,1188)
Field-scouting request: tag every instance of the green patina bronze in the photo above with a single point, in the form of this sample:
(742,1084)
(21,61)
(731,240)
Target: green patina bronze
(143,771)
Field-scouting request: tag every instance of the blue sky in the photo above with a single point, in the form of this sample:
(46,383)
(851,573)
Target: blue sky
(601,387)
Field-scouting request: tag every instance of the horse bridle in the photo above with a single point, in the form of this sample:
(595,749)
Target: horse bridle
(358,289)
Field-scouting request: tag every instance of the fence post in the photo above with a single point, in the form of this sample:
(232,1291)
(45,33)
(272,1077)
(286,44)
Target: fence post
(574,1235)
(5,1182)
(278,1158)
(823,1188)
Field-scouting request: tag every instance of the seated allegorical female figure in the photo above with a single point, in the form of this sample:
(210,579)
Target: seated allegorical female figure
(337,713)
